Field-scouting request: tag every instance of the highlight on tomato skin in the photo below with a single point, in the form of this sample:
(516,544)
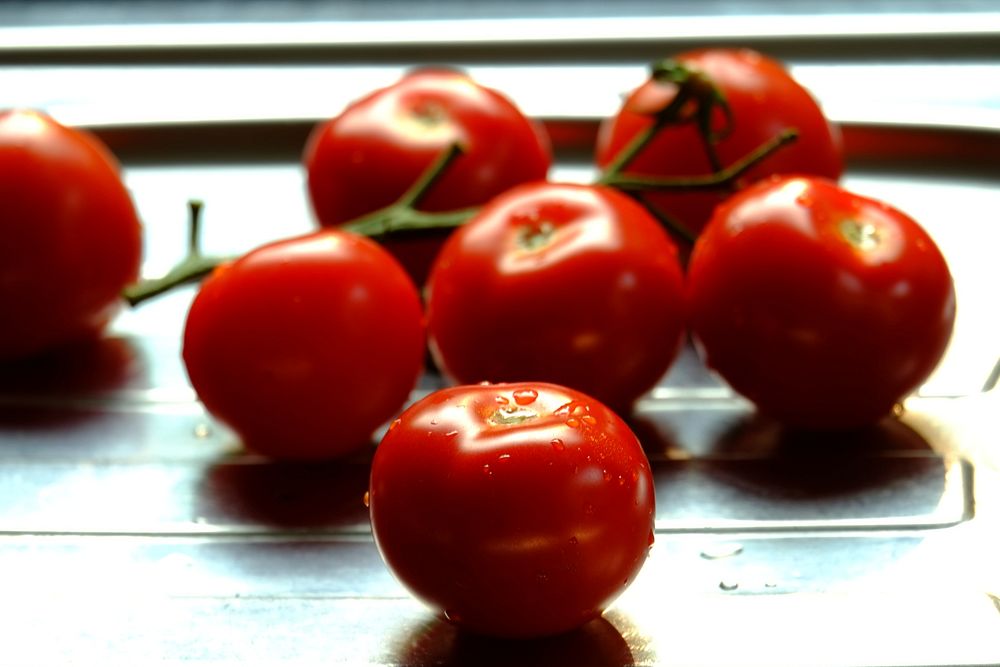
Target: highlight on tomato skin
(307,345)
(366,157)
(824,307)
(764,99)
(71,236)
(572,284)
(512,510)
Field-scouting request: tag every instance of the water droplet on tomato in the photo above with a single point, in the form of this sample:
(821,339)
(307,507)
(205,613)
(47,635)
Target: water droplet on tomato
(367,498)
(607,475)
(728,585)
(502,400)
(503,457)
(558,445)
(452,616)
(394,424)
(589,420)
(434,422)
(486,469)
(451,434)
(525,396)
(572,422)
(650,539)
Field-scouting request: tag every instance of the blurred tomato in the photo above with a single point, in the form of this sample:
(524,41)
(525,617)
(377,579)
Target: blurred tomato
(764,100)
(368,156)
(70,240)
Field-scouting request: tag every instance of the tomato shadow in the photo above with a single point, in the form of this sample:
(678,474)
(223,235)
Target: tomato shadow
(885,470)
(285,495)
(86,367)
(53,392)
(438,642)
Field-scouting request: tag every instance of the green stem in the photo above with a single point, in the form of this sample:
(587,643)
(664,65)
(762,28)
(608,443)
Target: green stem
(194,266)
(400,216)
(412,197)
(671,225)
(403,214)
(194,227)
(393,219)
(668,116)
(717,180)
(189,270)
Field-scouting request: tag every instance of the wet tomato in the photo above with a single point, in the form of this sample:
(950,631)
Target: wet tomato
(514,510)
(71,240)
(305,346)
(764,99)
(570,284)
(823,307)
(368,156)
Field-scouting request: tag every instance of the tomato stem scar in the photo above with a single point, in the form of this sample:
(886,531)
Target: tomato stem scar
(861,235)
(512,415)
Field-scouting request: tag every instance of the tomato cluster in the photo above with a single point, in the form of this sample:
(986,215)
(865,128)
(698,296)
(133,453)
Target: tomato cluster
(823,307)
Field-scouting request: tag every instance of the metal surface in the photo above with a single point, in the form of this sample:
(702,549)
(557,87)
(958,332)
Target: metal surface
(133,528)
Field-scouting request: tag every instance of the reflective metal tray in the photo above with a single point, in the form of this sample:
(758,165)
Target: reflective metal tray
(133,528)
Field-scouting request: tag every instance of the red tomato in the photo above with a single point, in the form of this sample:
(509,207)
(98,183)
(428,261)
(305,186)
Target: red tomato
(515,509)
(823,307)
(369,155)
(71,237)
(305,346)
(570,284)
(764,99)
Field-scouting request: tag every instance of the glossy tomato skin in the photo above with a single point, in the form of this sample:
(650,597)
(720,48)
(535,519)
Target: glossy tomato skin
(368,156)
(765,100)
(305,346)
(570,284)
(823,307)
(515,510)
(71,239)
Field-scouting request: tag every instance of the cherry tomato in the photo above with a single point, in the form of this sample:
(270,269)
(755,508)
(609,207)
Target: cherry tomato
(305,346)
(368,156)
(71,240)
(764,100)
(823,307)
(571,284)
(513,509)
